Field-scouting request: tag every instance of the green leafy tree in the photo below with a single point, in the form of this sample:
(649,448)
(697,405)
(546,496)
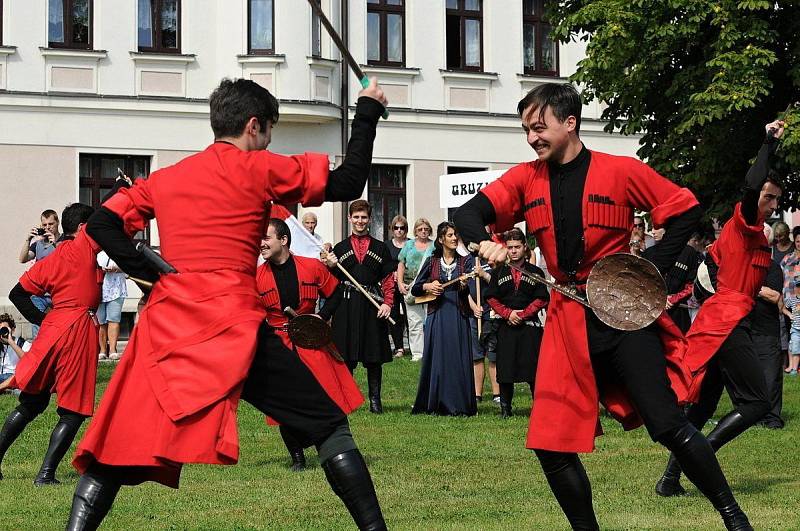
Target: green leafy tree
(698,78)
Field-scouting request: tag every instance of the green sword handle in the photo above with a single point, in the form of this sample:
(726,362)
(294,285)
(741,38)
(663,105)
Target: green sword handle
(365,83)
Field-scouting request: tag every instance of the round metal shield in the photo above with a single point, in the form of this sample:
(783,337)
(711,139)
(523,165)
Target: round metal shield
(309,331)
(626,292)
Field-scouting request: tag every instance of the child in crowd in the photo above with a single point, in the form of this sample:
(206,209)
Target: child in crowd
(792,309)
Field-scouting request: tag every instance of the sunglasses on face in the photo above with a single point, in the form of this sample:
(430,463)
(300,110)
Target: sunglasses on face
(400,227)
(637,225)
(426,229)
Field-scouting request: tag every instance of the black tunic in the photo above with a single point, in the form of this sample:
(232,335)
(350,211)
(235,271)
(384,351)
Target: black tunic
(357,332)
(517,346)
(683,271)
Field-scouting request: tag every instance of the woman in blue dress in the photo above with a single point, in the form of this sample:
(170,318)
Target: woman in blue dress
(446,383)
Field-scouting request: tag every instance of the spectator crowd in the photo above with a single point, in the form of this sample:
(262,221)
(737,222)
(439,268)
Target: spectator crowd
(430,322)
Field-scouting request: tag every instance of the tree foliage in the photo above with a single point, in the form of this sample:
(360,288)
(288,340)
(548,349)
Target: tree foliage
(698,78)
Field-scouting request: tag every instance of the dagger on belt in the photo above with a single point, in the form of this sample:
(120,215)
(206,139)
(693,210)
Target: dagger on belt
(162,266)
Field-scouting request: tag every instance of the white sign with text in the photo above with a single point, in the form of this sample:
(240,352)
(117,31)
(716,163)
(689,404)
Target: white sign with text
(455,189)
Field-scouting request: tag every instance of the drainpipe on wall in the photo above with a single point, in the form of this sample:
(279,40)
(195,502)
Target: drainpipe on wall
(344,100)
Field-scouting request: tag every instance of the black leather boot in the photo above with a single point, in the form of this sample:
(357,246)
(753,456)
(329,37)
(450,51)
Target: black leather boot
(728,428)
(15,423)
(670,482)
(700,465)
(294,447)
(570,485)
(734,518)
(349,478)
(505,409)
(298,459)
(374,377)
(60,441)
(506,396)
(93,497)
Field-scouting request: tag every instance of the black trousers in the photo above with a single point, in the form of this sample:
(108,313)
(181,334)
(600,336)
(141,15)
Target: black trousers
(737,368)
(768,350)
(396,330)
(635,360)
(282,386)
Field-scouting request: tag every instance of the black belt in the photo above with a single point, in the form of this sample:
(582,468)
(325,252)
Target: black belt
(349,288)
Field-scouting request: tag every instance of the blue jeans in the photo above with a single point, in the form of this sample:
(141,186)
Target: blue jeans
(41,303)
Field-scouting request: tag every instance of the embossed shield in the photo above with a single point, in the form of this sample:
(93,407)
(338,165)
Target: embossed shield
(309,331)
(626,292)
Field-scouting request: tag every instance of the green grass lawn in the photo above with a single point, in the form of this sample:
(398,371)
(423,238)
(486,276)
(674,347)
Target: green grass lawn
(430,473)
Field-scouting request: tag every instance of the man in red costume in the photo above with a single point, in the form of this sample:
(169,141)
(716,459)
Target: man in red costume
(721,352)
(579,204)
(280,279)
(307,391)
(170,400)
(63,358)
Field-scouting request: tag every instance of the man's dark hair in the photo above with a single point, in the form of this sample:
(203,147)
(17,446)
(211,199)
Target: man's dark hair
(6,318)
(73,215)
(234,102)
(360,205)
(50,213)
(281,230)
(562,98)
(698,235)
(774,178)
(516,235)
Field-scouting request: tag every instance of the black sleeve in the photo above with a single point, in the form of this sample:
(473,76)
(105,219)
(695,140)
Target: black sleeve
(541,290)
(346,182)
(107,229)
(21,299)
(677,233)
(755,180)
(331,304)
(492,287)
(774,277)
(713,269)
(472,217)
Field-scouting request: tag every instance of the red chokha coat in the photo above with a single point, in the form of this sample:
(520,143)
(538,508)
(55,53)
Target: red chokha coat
(314,280)
(173,397)
(565,410)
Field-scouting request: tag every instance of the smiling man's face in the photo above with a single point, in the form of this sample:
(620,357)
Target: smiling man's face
(547,135)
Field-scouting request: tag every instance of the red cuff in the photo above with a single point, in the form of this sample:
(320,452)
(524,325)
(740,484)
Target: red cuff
(675,298)
(532,309)
(29,285)
(738,218)
(122,205)
(387,286)
(318,166)
(675,205)
(499,308)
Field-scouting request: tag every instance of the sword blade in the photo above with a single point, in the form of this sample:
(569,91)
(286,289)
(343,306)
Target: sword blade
(337,40)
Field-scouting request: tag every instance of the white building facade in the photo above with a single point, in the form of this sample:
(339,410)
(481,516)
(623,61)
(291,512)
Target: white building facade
(87,86)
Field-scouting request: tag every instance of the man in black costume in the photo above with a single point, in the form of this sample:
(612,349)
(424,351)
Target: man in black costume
(360,332)
(680,279)
(518,300)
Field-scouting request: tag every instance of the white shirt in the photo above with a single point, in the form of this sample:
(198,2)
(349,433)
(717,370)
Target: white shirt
(114,285)
(9,359)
